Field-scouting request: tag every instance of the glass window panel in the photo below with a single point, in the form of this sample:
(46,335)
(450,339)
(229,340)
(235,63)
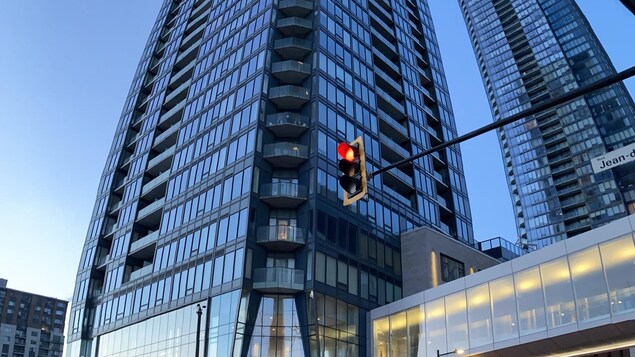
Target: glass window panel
(229,267)
(503,309)
(218,271)
(331,266)
(589,284)
(479,315)
(558,292)
(455,310)
(416,331)
(399,335)
(320,267)
(435,326)
(381,336)
(618,257)
(531,303)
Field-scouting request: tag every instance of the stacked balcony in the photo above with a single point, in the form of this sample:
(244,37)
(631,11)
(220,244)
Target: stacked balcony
(285,147)
(278,280)
(287,124)
(283,194)
(285,155)
(281,238)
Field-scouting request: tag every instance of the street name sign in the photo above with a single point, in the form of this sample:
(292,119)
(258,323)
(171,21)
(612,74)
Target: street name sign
(614,158)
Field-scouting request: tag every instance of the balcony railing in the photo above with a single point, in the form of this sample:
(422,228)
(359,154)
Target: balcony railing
(285,154)
(290,71)
(295,7)
(141,272)
(289,96)
(283,280)
(152,237)
(281,237)
(294,26)
(287,124)
(293,48)
(283,194)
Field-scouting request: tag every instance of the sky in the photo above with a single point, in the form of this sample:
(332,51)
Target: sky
(65,70)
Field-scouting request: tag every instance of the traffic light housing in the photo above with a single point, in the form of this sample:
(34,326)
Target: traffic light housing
(353,167)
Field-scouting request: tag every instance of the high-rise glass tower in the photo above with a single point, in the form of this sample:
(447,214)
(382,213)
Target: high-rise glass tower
(220,188)
(532,50)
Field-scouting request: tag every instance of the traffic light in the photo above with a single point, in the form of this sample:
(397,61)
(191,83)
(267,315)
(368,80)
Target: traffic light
(353,167)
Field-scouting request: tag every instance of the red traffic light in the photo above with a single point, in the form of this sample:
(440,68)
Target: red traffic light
(347,152)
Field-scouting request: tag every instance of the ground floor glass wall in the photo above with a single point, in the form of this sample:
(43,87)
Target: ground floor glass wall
(172,334)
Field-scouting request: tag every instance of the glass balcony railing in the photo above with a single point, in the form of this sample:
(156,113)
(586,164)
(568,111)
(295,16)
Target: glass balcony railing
(285,149)
(283,189)
(281,236)
(152,237)
(287,124)
(278,279)
(141,272)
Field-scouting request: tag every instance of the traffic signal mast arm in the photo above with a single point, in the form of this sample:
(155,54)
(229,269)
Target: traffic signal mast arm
(605,82)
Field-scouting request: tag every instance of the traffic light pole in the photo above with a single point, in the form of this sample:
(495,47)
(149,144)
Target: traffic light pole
(548,104)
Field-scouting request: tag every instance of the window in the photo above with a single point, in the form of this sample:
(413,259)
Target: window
(451,269)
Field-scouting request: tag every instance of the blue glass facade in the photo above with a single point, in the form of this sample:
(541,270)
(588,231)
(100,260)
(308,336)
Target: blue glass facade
(528,52)
(221,184)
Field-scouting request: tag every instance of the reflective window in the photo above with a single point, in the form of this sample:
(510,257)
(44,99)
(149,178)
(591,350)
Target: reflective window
(479,315)
(503,309)
(589,284)
(435,326)
(531,303)
(398,335)
(173,333)
(618,257)
(455,312)
(558,293)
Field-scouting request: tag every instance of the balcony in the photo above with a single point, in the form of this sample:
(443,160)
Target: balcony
(278,280)
(139,273)
(144,248)
(389,104)
(299,8)
(155,188)
(172,115)
(188,55)
(151,214)
(161,162)
(285,154)
(282,238)
(294,26)
(383,80)
(283,194)
(392,127)
(181,76)
(166,138)
(384,45)
(289,96)
(178,95)
(386,64)
(293,48)
(287,124)
(290,71)
(393,152)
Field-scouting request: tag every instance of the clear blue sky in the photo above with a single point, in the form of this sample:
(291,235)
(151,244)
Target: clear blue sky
(65,70)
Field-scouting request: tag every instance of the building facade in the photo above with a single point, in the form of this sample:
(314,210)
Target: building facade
(531,51)
(221,184)
(30,325)
(430,258)
(573,298)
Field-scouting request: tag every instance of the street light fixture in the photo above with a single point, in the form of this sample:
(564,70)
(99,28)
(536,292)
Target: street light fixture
(199,313)
(458,351)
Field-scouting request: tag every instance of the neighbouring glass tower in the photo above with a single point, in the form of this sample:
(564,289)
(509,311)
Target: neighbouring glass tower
(532,50)
(221,184)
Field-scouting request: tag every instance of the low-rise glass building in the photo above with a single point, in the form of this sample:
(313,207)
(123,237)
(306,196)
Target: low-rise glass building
(577,295)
